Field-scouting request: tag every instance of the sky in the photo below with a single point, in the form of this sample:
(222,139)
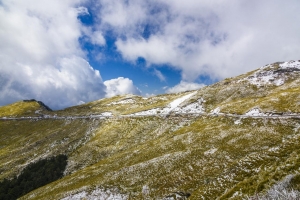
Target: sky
(69,52)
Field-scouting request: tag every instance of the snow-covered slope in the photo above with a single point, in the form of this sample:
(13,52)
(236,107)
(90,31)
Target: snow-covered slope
(273,74)
(175,107)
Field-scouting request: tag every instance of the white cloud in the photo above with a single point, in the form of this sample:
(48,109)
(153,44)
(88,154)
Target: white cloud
(73,82)
(40,56)
(97,38)
(214,38)
(159,75)
(120,85)
(184,86)
(120,14)
(94,37)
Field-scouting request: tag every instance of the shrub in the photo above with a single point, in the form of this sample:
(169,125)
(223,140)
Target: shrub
(33,176)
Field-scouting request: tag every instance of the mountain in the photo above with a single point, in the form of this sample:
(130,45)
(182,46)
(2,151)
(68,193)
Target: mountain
(234,139)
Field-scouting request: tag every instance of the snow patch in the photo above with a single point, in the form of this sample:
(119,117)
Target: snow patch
(290,64)
(99,194)
(104,114)
(255,112)
(273,149)
(210,151)
(272,76)
(279,82)
(173,106)
(196,107)
(125,101)
(267,77)
(266,66)
(216,111)
(237,122)
(154,111)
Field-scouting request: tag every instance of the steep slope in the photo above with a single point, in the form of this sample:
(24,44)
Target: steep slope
(26,141)
(273,88)
(207,157)
(229,140)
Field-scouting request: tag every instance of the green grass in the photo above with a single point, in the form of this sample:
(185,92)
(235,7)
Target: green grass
(19,109)
(130,153)
(22,142)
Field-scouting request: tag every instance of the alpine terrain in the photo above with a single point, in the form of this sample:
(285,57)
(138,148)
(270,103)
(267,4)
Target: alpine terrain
(236,139)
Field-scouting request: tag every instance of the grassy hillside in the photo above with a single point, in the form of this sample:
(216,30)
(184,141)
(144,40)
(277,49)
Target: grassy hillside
(171,152)
(208,157)
(21,108)
(26,141)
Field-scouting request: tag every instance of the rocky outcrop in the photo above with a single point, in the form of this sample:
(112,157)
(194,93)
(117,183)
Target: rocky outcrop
(40,103)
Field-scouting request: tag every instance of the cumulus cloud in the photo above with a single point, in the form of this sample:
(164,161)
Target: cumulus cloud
(184,86)
(213,38)
(120,85)
(41,58)
(94,37)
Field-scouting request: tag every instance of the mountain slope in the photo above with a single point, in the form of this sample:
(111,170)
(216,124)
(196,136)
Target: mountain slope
(24,108)
(232,139)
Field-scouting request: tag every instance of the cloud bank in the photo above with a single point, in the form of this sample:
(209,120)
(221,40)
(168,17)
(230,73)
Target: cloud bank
(218,39)
(184,86)
(41,57)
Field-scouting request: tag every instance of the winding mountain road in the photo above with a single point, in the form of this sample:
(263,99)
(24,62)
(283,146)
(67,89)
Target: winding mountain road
(45,117)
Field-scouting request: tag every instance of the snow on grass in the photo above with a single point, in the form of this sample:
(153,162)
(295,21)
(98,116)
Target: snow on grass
(107,114)
(154,111)
(290,64)
(104,114)
(153,163)
(196,107)
(280,190)
(174,106)
(216,111)
(279,82)
(210,151)
(274,149)
(99,194)
(237,122)
(268,75)
(125,101)
(255,112)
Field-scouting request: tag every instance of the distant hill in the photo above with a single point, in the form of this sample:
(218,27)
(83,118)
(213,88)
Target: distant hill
(234,139)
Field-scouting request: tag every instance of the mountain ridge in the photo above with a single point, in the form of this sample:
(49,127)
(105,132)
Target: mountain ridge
(233,139)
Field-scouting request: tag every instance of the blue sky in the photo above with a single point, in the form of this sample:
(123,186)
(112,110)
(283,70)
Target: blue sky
(65,53)
(112,65)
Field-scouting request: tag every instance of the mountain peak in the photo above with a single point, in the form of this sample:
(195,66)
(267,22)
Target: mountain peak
(44,106)
(274,74)
(24,108)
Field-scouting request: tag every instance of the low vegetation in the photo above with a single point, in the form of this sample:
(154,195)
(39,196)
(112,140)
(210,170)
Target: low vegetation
(173,156)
